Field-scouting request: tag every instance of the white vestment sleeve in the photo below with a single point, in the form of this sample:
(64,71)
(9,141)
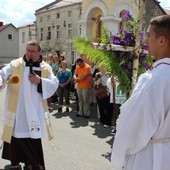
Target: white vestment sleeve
(49,86)
(136,125)
(5,73)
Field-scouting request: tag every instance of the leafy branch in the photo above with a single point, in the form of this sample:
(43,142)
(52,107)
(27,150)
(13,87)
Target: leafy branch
(104,59)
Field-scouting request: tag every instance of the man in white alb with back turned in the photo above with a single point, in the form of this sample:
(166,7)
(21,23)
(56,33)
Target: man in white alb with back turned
(142,140)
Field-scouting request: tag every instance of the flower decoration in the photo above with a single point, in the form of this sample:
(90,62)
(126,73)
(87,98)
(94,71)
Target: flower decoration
(126,37)
(127,16)
(118,62)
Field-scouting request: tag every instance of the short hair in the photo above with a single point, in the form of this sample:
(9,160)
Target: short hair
(79,60)
(64,62)
(161,26)
(34,43)
(62,56)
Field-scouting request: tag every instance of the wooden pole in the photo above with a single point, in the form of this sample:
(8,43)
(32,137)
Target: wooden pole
(141,6)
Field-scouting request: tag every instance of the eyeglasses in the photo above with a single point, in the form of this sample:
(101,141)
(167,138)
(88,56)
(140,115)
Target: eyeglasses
(32,51)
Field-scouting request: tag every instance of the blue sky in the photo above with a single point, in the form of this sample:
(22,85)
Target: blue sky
(21,12)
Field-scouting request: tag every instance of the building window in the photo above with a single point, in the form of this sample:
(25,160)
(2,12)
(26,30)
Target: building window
(41,34)
(72,57)
(70,30)
(41,19)
(23,37)
(30,35)
(49,33)
(57,15)
(64,24)
(10,37)
(48,17)
(80,11)
(80,30)
(69,13)
(58,31)
(58,53)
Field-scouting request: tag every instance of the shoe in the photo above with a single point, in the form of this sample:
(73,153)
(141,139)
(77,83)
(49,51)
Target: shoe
(77,115)
(114,131)
(60,109)
(50,109)
(67,109)
(106,126)
(99,123)
(17,167)
(86,117)
(29,167)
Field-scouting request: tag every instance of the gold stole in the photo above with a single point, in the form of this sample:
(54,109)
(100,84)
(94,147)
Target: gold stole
(18,70)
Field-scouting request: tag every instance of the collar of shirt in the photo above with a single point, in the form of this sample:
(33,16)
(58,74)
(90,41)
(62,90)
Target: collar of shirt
(34,64)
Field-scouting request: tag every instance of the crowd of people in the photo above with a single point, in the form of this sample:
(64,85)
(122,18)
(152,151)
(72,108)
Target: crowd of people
(83,79)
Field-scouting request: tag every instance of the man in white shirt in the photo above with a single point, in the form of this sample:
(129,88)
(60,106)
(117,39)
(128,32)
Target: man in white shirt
(30,81)
(142,140)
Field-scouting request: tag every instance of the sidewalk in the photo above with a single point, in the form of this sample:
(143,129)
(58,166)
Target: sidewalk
(79,143)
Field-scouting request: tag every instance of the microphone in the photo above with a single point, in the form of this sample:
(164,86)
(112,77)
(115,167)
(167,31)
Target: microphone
(31,65)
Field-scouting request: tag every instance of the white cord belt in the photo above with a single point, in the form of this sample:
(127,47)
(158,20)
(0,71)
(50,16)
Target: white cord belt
(161,140)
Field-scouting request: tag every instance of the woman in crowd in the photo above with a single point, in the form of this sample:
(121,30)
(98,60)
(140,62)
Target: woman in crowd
(103,101)
(64,76)
(55,63)
(61,58)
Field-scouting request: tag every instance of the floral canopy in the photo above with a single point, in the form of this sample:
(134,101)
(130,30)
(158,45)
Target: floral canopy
(117,53)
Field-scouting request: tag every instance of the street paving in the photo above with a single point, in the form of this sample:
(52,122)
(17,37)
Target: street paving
(79,143)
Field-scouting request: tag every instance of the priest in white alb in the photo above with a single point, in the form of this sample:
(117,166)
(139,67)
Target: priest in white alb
(30,81)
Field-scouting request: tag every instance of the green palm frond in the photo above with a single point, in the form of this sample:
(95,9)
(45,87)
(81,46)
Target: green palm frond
(103,59)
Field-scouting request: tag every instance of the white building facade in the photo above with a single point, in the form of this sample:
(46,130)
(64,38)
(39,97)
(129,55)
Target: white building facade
(26,33)
(57,26)
(8,43)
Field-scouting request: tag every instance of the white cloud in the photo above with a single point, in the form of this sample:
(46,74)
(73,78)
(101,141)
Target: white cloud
(165,3)
(20,12)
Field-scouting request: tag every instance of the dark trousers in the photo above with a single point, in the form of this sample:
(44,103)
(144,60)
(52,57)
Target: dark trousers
(77,99)
(116,112)
(64,92)
(105,110)
(24,150)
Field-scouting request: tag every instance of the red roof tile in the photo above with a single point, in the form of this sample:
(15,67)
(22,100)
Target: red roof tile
(3,27)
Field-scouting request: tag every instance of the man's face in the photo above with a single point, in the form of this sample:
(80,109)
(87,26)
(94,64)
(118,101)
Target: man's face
(32,53)
(80,64)
(152,42)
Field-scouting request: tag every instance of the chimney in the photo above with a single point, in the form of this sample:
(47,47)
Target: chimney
(1,24)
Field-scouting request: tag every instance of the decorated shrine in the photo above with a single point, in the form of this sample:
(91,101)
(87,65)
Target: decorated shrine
(124,54)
